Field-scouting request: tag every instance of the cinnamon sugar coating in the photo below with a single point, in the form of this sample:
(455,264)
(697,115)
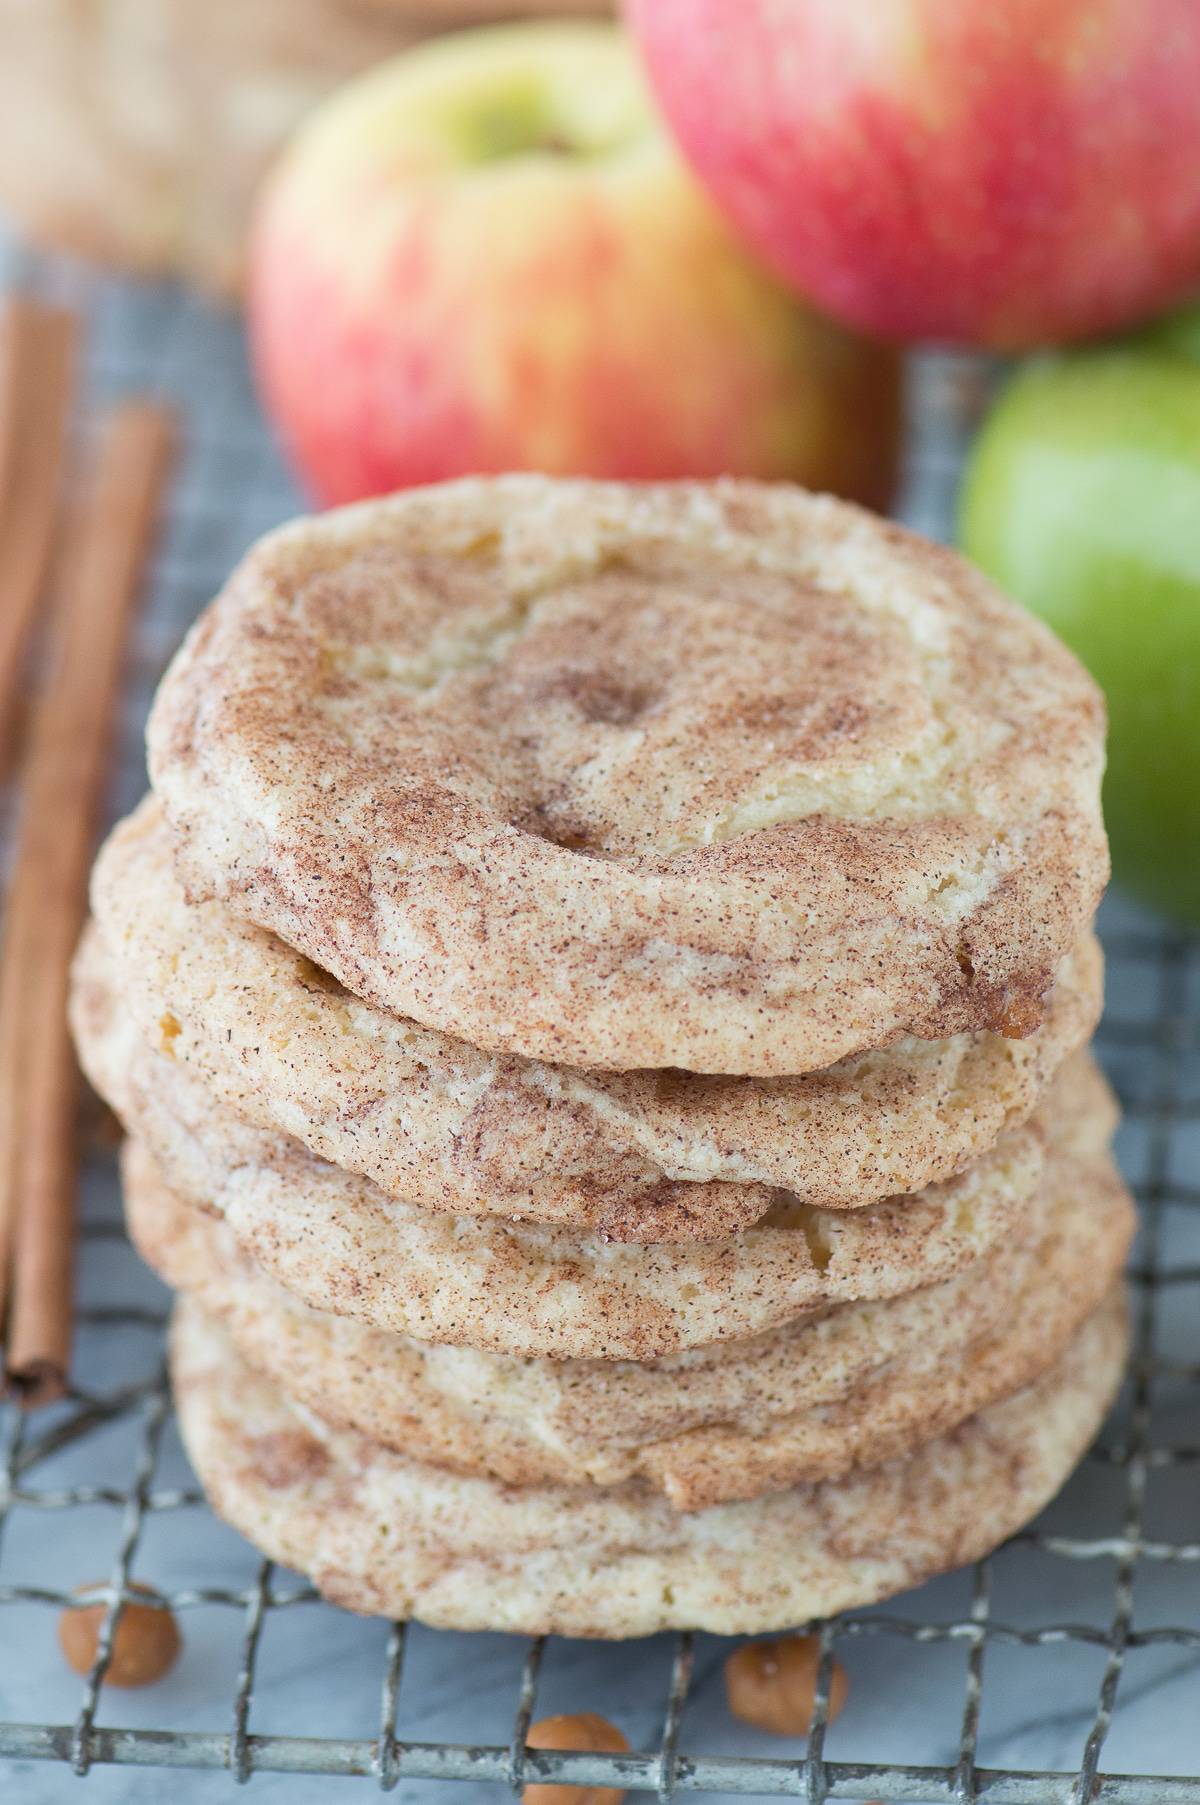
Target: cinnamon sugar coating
(385,1535)
(724,777)
(342,1245)
(817,1399)
(631,1156)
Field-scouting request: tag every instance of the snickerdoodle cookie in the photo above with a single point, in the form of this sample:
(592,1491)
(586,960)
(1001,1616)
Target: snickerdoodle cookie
(383,1534)
(337,1241)
(722,776)
(834,1391)
(639,1156)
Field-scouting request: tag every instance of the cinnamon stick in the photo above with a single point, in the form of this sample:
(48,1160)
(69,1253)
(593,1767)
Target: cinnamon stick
(37,364)
(38,350)
(106,542)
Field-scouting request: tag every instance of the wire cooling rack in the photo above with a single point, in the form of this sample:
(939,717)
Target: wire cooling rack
(1063,1668)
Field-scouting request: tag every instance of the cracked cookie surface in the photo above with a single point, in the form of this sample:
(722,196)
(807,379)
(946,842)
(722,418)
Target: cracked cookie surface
(382,1534)
(721,777)
(337,1241)
(833,1392)
(631,1156)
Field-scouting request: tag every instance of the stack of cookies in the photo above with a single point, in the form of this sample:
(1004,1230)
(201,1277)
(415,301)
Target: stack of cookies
(598,998)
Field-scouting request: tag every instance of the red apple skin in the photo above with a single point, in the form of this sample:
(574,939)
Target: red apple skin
(996,172)
(591,318)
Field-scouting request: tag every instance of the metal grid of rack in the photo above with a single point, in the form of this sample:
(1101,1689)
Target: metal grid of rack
(1125,1558)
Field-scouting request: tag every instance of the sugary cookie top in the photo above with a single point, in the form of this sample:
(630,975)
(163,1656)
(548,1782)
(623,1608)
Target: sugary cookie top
(725,777)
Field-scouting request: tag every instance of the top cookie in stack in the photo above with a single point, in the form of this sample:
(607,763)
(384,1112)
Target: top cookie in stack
(731,779)
(598,997)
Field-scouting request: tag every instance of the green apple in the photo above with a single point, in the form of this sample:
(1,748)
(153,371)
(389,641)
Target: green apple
(1082,498)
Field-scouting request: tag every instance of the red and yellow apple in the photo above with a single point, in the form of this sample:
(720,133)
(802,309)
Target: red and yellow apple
(486,255)
(997,172)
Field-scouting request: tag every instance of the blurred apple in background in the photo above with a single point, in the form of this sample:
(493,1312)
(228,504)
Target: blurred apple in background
(997,172)
(1082,498)
(486,255)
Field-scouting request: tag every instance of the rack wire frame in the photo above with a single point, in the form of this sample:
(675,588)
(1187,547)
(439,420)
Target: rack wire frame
(230,487)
